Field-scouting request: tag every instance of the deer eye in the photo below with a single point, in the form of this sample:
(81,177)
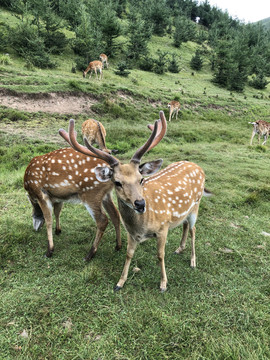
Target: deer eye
(118,184)
(142,181)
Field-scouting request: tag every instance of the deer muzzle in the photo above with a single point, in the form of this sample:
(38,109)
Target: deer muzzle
(139,206)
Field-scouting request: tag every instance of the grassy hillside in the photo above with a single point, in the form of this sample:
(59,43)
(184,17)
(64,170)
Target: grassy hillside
(62,308)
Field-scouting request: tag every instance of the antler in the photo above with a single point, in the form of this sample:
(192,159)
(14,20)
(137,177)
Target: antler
(162,127)
(158,132)
(71,138)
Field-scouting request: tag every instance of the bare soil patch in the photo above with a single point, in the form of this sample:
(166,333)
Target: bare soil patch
(61,103)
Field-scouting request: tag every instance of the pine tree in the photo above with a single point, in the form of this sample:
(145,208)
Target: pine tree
(196,62)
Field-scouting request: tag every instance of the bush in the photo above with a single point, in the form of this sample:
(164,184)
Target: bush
(258,81)
(146,64)
(122,69)
(5,59)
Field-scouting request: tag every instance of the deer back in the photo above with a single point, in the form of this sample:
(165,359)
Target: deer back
(94,132)
(65,175)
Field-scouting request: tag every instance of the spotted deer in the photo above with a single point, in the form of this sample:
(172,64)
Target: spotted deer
(95,133)
(262,128)
(95,66)
(174,107)
(104,59)
(66,175)
(150,207)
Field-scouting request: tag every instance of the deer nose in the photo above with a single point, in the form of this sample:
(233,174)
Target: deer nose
(140,206)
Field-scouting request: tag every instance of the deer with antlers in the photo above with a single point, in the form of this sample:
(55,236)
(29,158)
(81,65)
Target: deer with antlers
(104,59)
(66,175)
(262,128)
(95,133)
(174,107)
(95,66)
(150,207)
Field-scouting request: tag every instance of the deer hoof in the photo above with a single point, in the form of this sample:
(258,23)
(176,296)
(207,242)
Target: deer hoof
(118,247)
(91,254)
(117,288)
(49,253)
(58,231)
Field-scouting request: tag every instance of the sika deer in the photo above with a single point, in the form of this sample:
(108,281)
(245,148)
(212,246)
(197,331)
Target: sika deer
(174,107)
(150,207)
(66,175)
(95,66)
(95,133)
(262,128)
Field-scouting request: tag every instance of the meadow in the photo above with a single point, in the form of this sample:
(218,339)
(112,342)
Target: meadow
(64,308)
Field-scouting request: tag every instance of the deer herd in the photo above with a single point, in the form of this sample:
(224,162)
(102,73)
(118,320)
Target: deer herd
(150,201)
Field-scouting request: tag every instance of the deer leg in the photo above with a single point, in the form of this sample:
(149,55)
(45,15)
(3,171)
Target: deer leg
(102,222)
(252,136)
(46,207)
(170,115)
(57,211)
(131,247)
(114,216)
(192,230)
(161,255)
(265,138)
(184,238)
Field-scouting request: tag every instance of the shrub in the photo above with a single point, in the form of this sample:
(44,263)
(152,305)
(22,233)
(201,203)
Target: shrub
(5,59)
(146,63)
(258,81)
(122,69)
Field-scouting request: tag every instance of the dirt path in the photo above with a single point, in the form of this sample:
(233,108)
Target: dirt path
(61,103)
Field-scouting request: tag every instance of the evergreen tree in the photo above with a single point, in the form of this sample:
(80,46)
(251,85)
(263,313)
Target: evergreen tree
(173,65)
(139,36)
(196,62)
(185,30)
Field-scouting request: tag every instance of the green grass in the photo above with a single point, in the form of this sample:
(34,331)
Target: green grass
(67,309)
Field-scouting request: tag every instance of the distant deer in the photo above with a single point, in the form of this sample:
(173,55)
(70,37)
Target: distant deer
(174,107)
(104,59)
(95,66)
(150,207)
(66,175)
(95,133)
(262,128)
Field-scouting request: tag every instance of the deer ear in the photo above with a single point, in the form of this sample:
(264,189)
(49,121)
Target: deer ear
(103,173)
(150,167)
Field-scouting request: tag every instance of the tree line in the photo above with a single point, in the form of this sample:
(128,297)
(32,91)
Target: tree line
(236,51)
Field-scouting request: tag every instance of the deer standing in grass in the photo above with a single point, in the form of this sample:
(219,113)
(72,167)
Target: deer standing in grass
(104,59)
(95,66)
(65,175)
(150,207)
(95,133)
(174,107)
(262,128)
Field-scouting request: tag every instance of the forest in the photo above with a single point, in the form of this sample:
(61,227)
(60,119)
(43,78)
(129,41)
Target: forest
(123,29)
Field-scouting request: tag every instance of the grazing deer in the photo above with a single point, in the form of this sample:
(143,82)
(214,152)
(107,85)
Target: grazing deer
(150,207)
(95,133)
(95,66)
(104,60)
(174,107)
(262,128)
(66,175)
